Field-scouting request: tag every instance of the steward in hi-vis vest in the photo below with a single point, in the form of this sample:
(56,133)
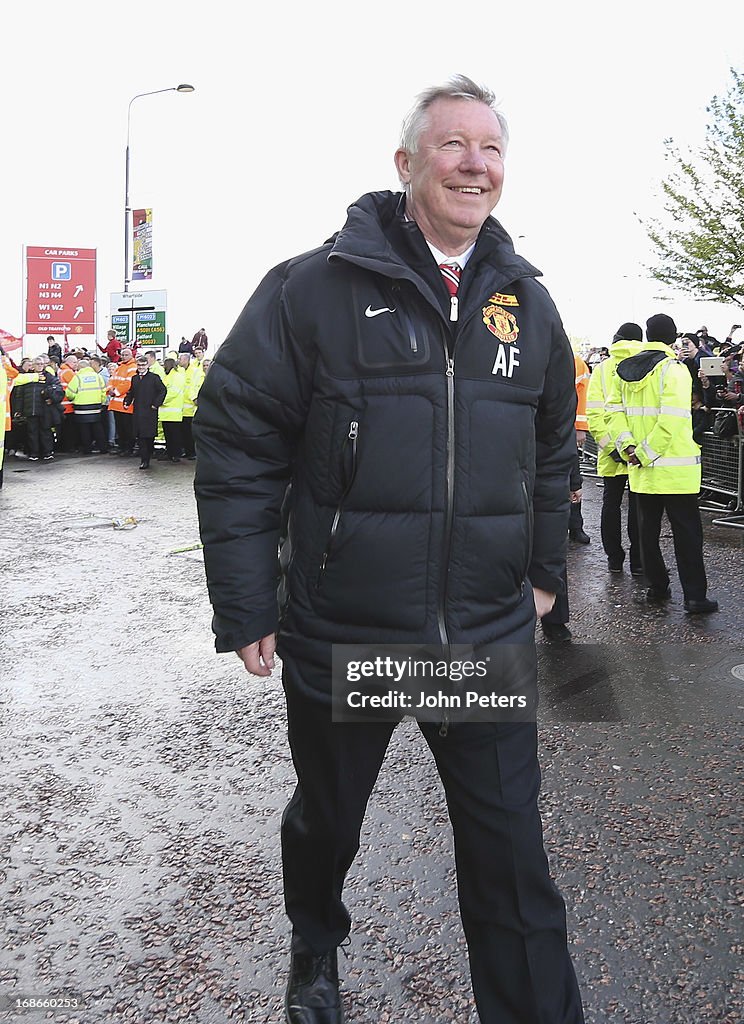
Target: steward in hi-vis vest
(651,421)
(610,464)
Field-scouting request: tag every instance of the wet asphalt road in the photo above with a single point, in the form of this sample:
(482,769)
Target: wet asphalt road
(144,779)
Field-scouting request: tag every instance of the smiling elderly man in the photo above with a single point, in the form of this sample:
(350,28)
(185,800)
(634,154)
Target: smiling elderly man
(412,380)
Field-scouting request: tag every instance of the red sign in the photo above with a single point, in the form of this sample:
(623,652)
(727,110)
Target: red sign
(61,290)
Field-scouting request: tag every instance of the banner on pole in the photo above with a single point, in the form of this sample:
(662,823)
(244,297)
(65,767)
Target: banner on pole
(9,341)
(142,248)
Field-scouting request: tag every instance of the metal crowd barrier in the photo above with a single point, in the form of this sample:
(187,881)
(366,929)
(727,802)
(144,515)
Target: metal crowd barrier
(588,459)
(722,487)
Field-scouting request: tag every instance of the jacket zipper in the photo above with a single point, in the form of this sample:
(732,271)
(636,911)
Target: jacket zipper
(351,437)
(450,506)
(530,531)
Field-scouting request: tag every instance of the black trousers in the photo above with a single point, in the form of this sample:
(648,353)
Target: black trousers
(67,434)
(513,916)
(124,431)
(39,439)
(559,613)
(146,446)
(90,429)
(187,436)
(173,438)
(611,521)
(687,532)
(575,518)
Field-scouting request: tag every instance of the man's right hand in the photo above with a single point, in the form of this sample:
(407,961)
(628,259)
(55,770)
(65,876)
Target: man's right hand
(258,658)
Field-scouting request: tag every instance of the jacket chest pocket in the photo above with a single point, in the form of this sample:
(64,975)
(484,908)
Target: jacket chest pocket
(389,335)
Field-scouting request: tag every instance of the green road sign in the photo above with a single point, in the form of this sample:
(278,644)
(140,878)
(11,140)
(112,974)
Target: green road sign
(149,329)
(120,324)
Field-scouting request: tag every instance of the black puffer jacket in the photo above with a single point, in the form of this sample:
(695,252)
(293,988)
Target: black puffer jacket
(42,398)
(429,459)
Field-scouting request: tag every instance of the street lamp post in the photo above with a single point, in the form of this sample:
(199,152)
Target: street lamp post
(127,211)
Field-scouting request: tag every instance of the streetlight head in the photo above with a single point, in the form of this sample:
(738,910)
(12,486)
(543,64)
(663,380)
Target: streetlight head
(185,88)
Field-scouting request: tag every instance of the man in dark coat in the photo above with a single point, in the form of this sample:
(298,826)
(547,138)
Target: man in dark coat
(146,395)
(200,340)
(413,382)
(41,405)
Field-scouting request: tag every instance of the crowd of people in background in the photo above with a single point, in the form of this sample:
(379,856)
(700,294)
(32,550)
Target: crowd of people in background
(707,401)
(117,400)
(112,399)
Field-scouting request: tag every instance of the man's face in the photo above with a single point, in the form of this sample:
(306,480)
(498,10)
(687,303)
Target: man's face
(183,359)
(39,365)
(72,362)
(142,367)
(455,178)
(126,355)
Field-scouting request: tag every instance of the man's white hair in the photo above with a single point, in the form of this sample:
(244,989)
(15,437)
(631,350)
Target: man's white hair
(459,87)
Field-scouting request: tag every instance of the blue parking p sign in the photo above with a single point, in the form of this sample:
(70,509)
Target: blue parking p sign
(61,271)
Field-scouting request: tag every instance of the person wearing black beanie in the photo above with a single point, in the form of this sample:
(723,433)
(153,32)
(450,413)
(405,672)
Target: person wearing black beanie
(628,332)
(661,327)
(611,468)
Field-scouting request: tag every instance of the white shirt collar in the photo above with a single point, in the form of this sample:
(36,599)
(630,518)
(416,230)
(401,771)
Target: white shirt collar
(442,257)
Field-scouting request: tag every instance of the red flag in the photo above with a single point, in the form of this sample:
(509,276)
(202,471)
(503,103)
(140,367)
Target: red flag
(9,341)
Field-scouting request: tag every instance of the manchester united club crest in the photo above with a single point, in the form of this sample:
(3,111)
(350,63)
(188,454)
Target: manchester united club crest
(500,321)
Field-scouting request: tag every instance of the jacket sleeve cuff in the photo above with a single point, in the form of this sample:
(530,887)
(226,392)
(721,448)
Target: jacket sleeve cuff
(258,626)
(545,581)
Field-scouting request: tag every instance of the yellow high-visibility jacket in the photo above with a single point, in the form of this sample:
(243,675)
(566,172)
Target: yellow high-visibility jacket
(86,391)
(596,406)
(649,406)
(171,411)
(194,380)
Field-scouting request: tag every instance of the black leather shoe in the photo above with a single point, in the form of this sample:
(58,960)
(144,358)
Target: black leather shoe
(579,537)
(312,990)
(704,607)
(636,570)
(556,632)
(654,596)
(615,565)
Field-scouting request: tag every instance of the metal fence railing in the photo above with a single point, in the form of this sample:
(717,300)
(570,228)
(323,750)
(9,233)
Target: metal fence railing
(588,456)
(722,487)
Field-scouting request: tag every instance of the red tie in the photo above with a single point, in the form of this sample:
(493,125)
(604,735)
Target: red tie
(451,274)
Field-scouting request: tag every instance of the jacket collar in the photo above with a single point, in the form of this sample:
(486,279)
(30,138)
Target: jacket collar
(378,237)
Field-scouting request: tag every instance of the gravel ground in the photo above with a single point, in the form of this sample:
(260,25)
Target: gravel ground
(145,779)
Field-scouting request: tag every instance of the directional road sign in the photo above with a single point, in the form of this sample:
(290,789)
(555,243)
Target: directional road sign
(60,290)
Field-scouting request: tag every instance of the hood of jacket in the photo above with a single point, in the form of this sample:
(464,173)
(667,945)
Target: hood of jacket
(624,348)
(635,369)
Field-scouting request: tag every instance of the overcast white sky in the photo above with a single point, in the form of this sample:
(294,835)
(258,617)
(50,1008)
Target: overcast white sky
(297,113)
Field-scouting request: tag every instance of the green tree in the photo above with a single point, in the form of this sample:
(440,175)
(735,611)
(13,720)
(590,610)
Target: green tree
(701,246)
